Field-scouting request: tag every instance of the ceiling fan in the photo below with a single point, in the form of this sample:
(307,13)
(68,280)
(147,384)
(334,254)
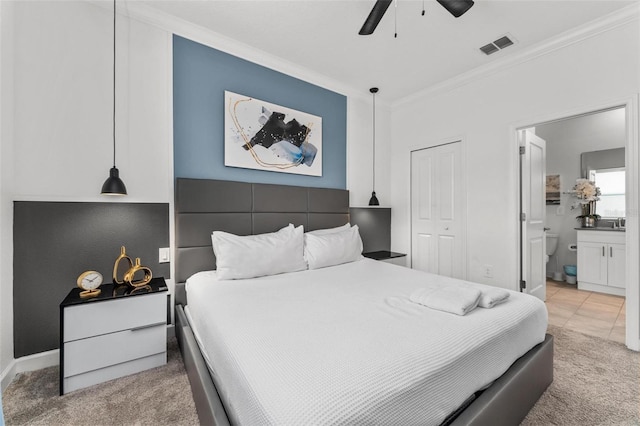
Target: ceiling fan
(456,7)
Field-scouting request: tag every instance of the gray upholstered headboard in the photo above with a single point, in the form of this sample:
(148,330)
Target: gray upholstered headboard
(203,206)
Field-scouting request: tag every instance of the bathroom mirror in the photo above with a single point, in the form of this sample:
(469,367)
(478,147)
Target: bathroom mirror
(607,169)
(599,160)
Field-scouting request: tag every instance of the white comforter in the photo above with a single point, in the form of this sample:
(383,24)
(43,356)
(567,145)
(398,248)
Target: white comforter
(345,346)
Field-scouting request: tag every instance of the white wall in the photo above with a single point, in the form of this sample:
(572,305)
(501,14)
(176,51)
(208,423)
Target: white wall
(6,220)
(57,144)
(566,140)
(55,114)
(63,103)
(590,72)
(360,151)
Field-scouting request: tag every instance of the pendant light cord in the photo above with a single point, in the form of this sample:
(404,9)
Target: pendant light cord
(114,83)
(374,142)
(395,6)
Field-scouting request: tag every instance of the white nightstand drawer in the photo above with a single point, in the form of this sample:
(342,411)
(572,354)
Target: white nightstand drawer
(93,319)
(85,355)
(113,372)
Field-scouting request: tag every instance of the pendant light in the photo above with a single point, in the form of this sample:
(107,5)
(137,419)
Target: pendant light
(114,185)
(373,201)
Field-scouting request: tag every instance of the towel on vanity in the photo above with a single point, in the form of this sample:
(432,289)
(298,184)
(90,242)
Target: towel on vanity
(492,297)
(452,299)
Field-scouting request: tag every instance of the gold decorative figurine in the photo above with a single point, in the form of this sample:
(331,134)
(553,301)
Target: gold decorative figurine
(129,276)
(123,256)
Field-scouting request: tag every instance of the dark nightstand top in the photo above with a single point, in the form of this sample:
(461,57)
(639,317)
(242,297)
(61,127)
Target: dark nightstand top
(111,291)
(383,255)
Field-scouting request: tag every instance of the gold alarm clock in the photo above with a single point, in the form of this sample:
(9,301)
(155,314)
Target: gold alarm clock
(89,281)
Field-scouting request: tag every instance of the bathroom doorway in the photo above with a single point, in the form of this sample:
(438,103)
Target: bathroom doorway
(575,302)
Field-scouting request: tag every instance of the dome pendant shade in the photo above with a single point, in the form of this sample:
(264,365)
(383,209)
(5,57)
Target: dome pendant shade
(114,185)
(373,201)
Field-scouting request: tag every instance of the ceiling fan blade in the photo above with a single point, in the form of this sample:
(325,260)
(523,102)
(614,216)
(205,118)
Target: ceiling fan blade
(374,17)
(456,7)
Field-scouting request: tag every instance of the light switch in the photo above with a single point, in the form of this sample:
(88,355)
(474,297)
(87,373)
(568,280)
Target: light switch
(164,255)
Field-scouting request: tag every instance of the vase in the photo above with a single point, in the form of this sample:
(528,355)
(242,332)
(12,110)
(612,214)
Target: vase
(586,210)
(588,222)
(589,215)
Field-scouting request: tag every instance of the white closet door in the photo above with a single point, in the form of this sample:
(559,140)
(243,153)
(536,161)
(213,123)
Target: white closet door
(436,210)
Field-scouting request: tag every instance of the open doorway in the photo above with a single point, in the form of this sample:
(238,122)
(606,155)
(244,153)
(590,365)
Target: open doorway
(585,267)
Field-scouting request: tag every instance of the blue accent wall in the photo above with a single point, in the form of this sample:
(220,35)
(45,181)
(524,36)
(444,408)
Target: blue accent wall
(201,74)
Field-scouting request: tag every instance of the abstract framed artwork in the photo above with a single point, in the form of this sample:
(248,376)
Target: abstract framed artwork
(553,189)
(264,136)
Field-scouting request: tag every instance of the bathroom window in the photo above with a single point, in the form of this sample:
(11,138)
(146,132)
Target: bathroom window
(612,190)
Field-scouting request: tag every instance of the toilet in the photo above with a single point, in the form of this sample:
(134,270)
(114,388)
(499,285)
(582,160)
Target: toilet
(552,245)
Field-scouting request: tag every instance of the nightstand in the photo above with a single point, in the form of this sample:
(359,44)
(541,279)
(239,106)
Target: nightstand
(387,256)
(120,332)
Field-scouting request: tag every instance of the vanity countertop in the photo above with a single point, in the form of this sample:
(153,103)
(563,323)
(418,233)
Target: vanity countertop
(597,228)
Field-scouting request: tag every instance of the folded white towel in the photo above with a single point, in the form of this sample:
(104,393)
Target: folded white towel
(493,297)
(453,299)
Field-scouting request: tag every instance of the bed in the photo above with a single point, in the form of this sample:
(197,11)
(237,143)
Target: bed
(218,379)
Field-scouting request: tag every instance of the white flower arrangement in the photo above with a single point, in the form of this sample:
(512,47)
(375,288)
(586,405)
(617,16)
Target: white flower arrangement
(585,191)
(587,194)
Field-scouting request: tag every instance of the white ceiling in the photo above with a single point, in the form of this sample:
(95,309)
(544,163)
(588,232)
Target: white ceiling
(322,35)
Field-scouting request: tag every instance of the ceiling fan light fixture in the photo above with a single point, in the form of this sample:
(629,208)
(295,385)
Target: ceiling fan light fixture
(456,7)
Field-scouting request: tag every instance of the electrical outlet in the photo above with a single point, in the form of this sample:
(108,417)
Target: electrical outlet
(164,255)
(488,271)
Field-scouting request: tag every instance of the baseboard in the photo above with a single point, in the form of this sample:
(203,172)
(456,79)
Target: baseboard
(29,363)
(617,291)
(42,360)
(7,375)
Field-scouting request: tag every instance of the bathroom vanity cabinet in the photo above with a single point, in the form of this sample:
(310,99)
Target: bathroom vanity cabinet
(602,261)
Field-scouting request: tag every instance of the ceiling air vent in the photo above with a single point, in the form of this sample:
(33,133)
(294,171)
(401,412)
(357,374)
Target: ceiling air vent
(497,45)
(488,49)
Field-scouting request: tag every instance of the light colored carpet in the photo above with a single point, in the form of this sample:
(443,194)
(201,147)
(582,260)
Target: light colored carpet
(160,396)
(596,382)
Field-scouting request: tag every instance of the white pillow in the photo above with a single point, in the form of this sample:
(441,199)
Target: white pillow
(330,230)
(332,249)
(258,255)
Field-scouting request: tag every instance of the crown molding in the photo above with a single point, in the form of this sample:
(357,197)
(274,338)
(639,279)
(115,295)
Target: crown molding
(172,24)
(575,35)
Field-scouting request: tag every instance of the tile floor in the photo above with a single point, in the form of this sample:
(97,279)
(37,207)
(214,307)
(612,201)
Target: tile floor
(588,312)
